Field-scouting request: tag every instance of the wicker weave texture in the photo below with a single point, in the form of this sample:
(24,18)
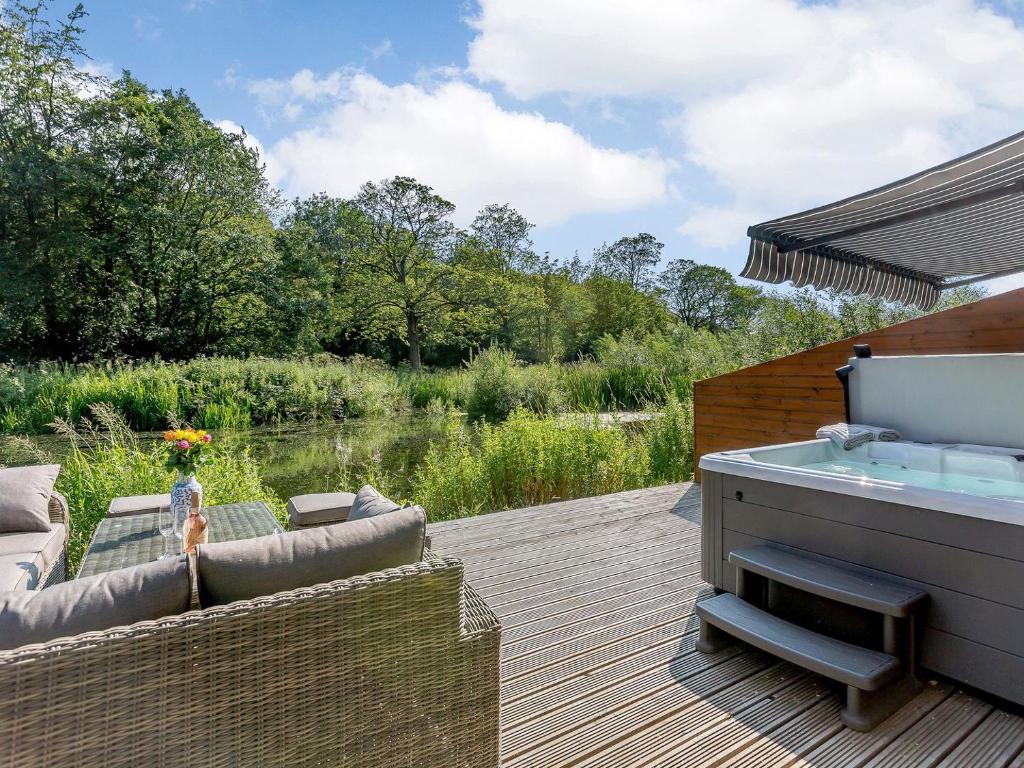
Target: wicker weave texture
(58,570)
(397,668)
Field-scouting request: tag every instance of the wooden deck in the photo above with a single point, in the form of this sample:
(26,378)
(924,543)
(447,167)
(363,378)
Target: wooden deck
(596,600)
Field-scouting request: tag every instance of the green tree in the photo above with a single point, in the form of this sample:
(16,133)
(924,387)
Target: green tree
(602,306)
(181,253)
(703,296)
(788,323)
(631,260)
(503,234)
(42,133)
(401,250)
(132,226)
(860,314)
(311,299)
(498,250)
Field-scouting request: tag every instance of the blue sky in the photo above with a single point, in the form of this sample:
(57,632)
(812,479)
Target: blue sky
(597,118)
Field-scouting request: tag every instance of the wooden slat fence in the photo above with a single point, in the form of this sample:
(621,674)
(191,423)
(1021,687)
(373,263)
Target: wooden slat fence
(787,399)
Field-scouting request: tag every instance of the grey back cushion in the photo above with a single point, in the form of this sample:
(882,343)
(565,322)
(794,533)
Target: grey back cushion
(248,568)
(93,603)
(369,503)
(25,497)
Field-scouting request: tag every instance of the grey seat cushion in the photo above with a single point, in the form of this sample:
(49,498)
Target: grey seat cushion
(20,571)
(369,503)
(122,506)
(25,497)
(240,570)
(25,557)
(114,599)
(318,508)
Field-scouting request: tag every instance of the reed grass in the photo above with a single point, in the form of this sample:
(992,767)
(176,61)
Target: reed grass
(534,459)
(223,393)
(219,393)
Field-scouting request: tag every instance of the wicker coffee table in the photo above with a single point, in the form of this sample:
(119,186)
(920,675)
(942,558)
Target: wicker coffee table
(120,542)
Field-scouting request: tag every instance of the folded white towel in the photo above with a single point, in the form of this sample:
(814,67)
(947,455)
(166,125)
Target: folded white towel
(843,436)
(879,433)
(849,436)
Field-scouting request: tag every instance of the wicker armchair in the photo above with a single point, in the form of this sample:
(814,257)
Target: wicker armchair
(397,668)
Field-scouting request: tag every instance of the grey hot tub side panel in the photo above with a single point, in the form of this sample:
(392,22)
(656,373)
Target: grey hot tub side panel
(971,568)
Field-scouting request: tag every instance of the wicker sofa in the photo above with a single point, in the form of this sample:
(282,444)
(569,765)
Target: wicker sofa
(395,668)
(36,559)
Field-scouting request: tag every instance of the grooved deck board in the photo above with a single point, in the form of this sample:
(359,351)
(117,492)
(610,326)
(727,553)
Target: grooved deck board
(596,598)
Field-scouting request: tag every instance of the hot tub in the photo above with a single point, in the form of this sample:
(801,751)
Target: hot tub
(970,480)
(944,516)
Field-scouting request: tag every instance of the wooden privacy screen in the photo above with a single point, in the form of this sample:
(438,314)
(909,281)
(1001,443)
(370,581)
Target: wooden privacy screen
(788,399)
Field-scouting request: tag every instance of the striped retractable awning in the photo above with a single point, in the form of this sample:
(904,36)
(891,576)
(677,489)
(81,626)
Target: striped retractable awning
(951,225)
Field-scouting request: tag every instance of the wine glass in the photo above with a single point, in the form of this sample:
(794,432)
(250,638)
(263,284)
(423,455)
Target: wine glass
(168,529)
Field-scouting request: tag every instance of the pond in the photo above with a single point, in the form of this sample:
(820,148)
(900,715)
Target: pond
(316,458)
(320,459)
(309,458)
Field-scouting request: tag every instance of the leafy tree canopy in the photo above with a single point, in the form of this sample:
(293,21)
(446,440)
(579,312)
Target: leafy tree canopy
(133,227)
(630,259)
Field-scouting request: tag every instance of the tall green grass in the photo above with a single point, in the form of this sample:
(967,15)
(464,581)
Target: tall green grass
(628,373)
(469,469)
(533,459)
(219,393)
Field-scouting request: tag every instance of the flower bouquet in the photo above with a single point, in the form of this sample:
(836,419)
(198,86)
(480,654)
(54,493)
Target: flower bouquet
(186,450)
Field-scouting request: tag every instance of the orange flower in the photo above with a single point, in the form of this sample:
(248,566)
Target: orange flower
(169,435)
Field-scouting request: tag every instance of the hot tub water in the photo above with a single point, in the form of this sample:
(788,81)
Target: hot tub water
(940,481)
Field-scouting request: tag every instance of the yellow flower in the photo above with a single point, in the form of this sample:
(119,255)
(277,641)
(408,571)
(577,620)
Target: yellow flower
(179,434)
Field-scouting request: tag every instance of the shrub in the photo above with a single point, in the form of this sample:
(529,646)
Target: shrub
(542,389)
(494,385)
(669,442)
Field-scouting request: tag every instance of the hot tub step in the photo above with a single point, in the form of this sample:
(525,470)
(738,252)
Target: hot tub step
(836,583)
(859,667)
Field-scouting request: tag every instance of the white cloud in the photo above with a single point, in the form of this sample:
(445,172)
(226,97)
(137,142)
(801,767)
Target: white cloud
(98,68)
(382,49)
(612,48)
(100,74)
(146,26)
(456,138)
(230,77)
(304,85)
(287,96)
(780,105)
(716,226)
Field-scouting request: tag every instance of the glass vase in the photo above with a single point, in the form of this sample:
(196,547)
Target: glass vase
(181,499)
